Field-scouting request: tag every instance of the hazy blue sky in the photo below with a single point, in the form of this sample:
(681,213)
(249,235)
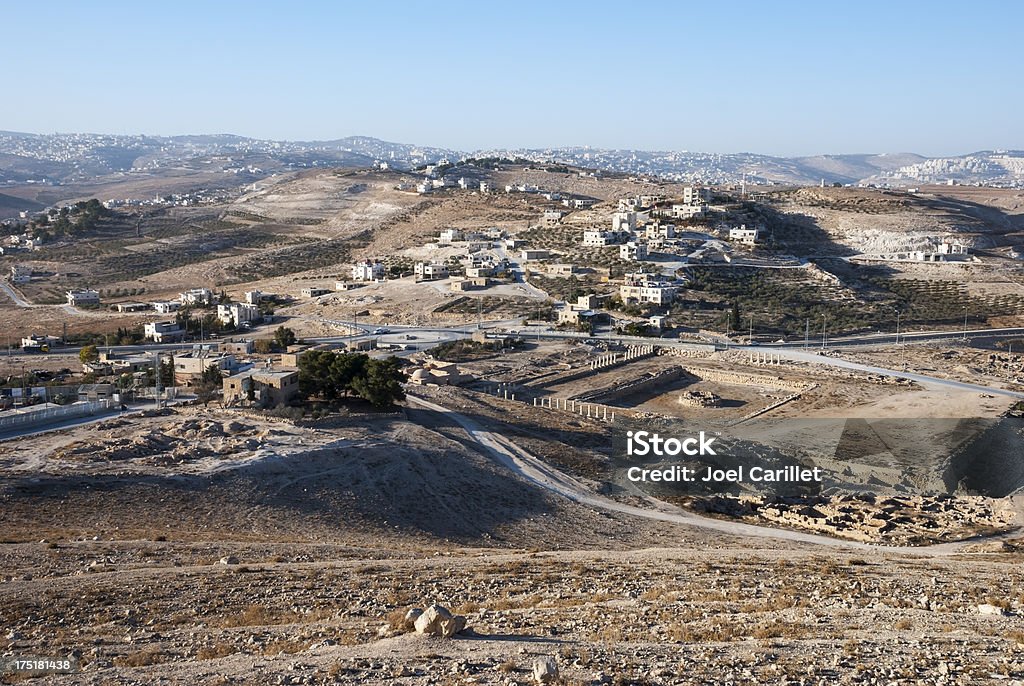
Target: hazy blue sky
(778,77)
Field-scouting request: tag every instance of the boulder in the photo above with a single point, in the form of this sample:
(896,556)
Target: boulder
(438,621)
(987,609)
(545,670)
(229,560)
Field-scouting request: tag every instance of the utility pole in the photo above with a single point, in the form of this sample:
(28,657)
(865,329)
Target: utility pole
(898,313)
(807,334)
(750,333)
(823,320)
(156,376)
(965,322)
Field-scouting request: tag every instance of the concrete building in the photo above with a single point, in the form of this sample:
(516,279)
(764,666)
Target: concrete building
(314,291)
(562,269)
(237,314)
(744,235)
(237,346)
(624,221)
(196,296)
(686,211)
(163,332)
(660,231)
(77,298)
(531,255)
(429,271)
(254,297)
(696,195)
(450,236)
(35,344)
(633,251)
(190,365)
(367,271)
(646,288)
(551,218)
(264,387)
(596,238)
(166,306)
(21,273)
(485,186)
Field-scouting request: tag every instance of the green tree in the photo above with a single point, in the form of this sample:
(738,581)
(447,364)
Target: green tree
(381,382)
(88,353)
(283,337)
(734,316)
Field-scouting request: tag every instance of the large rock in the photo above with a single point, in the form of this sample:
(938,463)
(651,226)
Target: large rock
(438,621)
(987,609)
(545,670)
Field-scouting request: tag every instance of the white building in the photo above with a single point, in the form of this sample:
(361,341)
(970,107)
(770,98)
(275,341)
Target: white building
(430,272)
(633,251)
(450,236)
(83,297)
(646,288)
(254,297)
(595,238)
(166,306)
(163,332)
(196,296)
(367,271)
(485,186)
(744,235)
(624,221)
(237,314)
(663,231)
(21,273)
(530,255)
(687,211)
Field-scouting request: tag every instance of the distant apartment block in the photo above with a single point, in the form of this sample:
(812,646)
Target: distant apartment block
(77,298)
(237,314)
(633,251)
(368,271)
(595,238)
(696,195)
(624,221)
(646,288)
(744,235)
(196,296)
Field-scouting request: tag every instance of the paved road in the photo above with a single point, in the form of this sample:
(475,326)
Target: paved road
(13,295)
(533,470)
(920,378)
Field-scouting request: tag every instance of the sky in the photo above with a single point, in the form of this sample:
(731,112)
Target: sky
(780,78)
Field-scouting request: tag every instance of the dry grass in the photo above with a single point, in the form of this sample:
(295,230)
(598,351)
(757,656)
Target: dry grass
(147,656)
(215,651)
(258,615)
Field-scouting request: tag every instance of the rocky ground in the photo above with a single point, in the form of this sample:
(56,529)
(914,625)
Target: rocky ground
(295,559)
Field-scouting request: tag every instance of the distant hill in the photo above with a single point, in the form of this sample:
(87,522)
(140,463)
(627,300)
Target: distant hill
(66,158)
(10,206)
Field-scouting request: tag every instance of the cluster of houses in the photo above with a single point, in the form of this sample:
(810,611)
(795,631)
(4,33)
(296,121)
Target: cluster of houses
(19,243)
